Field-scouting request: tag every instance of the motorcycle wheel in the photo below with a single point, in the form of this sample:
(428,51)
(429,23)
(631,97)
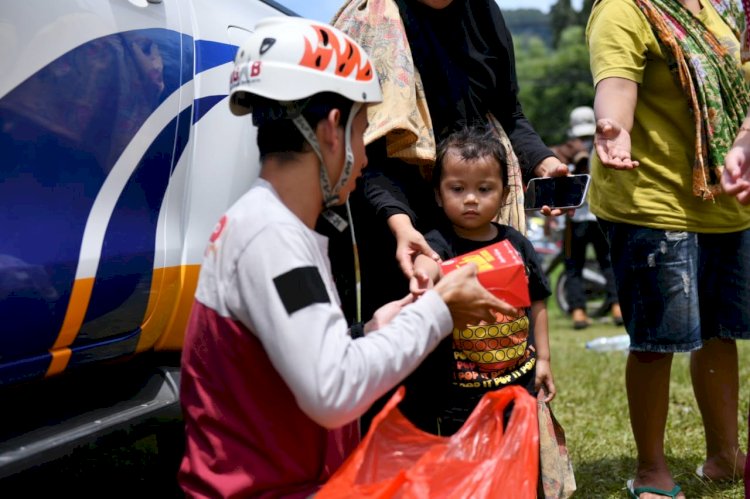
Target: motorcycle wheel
(595,287)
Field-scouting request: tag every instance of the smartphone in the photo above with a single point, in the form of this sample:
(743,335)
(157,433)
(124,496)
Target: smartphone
(556,192)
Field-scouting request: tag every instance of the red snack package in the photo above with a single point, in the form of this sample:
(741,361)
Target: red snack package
(500,269)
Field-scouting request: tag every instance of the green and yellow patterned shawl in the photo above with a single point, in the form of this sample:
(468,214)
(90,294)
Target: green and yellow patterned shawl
(711,78)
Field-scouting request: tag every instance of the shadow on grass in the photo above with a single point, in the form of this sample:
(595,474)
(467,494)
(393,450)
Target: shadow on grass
(606,478)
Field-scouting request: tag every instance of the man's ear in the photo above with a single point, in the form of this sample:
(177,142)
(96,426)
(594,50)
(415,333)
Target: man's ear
(328,130)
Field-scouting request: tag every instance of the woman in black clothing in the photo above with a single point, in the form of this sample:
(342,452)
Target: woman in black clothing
(444,65)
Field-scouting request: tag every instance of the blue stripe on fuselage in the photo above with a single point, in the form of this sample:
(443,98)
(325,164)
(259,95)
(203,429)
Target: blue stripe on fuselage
(204,105)
(63,130)
(210,54)
(123,281)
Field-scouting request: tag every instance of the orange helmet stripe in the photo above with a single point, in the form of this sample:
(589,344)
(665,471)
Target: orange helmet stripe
(328,50)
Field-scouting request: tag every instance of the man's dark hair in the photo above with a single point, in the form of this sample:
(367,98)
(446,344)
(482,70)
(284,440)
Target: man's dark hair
(277,134)
(469,143)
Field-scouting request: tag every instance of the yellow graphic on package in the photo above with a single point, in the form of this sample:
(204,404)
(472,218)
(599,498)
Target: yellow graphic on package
(494,347)
(481,260)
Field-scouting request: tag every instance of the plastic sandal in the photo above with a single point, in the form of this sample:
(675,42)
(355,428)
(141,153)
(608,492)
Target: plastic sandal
(635,492)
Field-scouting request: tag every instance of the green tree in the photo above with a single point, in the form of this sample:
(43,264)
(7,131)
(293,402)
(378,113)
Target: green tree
(529,22)
(561,15)
(583,15)
(552,82)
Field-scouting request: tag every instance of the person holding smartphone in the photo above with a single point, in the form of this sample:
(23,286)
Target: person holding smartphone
(455,68)
(581,227)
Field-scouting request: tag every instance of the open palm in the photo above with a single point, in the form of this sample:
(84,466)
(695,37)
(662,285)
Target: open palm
(613,145)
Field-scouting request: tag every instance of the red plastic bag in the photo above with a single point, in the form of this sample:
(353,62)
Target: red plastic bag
(482,460)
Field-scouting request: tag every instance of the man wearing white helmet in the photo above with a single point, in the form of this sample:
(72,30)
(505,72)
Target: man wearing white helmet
(273,379)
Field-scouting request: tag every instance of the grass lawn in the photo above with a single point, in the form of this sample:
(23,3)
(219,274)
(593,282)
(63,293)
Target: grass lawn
(590,404)
(592,407)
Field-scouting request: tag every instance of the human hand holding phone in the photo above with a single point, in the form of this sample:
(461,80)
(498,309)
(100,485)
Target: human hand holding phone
(566,192)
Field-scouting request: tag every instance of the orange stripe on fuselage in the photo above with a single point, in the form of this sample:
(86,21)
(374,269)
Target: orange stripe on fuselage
(157,283)
(173,336)
(160,298)
(167,313)
(80,297)
(168,309)
(60,359)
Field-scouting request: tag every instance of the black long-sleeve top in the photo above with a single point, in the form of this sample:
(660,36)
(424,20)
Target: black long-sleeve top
(392,186)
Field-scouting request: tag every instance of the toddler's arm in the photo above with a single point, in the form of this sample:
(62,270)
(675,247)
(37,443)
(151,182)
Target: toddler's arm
(541,337)
(426,274)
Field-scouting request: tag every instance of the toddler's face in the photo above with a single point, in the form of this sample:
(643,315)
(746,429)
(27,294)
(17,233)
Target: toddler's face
(471,193)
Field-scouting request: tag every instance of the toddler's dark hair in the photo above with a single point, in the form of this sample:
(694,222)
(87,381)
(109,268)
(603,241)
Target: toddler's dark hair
(469,143)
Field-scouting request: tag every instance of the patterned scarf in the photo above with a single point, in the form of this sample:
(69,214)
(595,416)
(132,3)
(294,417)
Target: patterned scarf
(403,117)
(745,41)
(711,78)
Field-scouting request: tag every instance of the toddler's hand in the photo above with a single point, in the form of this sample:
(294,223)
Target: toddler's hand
(544,380)
(419,283)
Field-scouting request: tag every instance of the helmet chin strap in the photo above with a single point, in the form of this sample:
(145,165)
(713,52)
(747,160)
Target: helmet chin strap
(330,194)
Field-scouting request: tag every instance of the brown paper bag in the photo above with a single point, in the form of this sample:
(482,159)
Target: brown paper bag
(556,475)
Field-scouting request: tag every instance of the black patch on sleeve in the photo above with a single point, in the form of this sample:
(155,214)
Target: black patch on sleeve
(300,288)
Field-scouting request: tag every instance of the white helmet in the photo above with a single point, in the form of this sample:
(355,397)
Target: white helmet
(288,59)
(582,122)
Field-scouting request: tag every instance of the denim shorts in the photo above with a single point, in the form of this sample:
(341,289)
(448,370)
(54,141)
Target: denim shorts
(679,289)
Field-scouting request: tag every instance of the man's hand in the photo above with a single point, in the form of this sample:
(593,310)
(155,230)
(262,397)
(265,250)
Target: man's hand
(469,302)
(612,143)
(736,177)
(385,314)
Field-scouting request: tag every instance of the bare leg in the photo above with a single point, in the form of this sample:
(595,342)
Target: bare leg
(647,380)
(616,314)
(714,372)
(580,319)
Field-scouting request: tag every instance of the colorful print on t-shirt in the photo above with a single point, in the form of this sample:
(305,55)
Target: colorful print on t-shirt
(492,355)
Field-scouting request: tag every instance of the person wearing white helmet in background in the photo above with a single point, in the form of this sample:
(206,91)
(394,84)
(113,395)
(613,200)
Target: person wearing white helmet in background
(581,227)
(273,378)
